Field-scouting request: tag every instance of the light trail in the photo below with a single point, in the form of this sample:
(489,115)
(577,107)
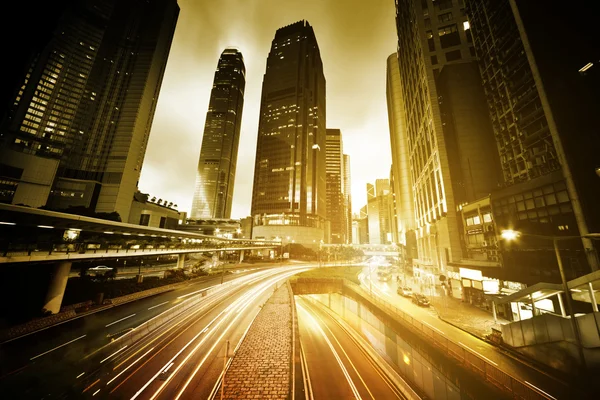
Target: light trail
(57,347)
(537,388)
(344,351)
(335,354)
(252,295)
(158,305)
(115,353)
(129,366)
(189,315)
(119,320)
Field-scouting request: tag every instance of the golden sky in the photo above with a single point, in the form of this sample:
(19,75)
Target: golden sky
(355,38)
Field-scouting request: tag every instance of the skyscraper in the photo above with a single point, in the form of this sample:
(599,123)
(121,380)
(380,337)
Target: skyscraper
(289,194)
(378,210)
(542,87)
(347,193)
(448,133)
(218,156)
(402,180)
(336,213)
(76,130)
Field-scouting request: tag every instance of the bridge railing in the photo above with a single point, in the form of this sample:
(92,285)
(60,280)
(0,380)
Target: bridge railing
(49,248)
(486,370)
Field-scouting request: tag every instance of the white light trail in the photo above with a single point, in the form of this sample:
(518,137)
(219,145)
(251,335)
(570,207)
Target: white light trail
(158,305)
(129,366)
(537,388)
(57,347)
(113,354)
(117,321)
(335,354)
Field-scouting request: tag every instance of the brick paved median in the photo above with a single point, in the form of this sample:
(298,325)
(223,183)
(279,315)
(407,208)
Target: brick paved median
(261,368)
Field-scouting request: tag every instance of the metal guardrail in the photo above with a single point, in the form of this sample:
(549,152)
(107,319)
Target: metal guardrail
(81,250)
(490,373)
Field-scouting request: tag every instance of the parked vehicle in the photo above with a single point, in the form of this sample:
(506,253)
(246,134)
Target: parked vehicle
(420,300)
(404,291)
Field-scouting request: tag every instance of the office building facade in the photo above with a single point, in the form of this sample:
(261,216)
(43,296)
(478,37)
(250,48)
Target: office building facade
(447,133)
(336,213)
(378,212)
(541,86)
(76,130)
(289,193)
(215,176)
(402,178)
(347,193)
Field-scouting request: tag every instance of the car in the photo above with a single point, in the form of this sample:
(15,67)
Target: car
(101,268)
(404,291)
(420,300)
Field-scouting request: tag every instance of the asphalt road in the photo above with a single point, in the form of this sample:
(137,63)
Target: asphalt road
(338,367)
(43,364)
(428,316)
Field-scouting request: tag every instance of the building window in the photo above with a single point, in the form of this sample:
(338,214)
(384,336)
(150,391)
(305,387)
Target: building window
(444,4)
(430,40)
(472,51)
(144,219)
(434,60)
(449,36)
(453,55)
(445,17)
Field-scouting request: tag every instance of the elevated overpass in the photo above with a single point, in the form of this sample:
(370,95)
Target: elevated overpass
(35,236)
(384,250)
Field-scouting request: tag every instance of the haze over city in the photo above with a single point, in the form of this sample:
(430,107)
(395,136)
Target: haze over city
(306,200)
(355,38)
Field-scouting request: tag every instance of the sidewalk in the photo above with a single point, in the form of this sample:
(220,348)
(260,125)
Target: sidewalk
(467,317)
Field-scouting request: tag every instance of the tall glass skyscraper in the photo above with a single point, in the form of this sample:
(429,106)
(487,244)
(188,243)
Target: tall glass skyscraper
(289,196)
(218,155)
(82,103)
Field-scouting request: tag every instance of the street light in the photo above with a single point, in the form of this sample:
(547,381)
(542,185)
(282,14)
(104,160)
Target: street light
(509,235)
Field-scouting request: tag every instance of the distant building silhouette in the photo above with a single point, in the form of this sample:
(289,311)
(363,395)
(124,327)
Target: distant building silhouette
(218,156)
(289,194)
(83,91)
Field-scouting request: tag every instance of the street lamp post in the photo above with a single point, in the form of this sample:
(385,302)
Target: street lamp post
(510,235)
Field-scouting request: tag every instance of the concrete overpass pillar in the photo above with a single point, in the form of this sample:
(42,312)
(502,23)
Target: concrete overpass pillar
(241,256)
(180,261)
(58,283)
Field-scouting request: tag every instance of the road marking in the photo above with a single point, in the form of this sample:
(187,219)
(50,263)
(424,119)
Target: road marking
(535,387)
(122,319)
(480,355)
(80,375)
(158,305)
(57,347)
(118,351)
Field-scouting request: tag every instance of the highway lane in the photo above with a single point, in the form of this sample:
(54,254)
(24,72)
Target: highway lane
(43,360)
(428,316)
(185,358)
(337,366)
